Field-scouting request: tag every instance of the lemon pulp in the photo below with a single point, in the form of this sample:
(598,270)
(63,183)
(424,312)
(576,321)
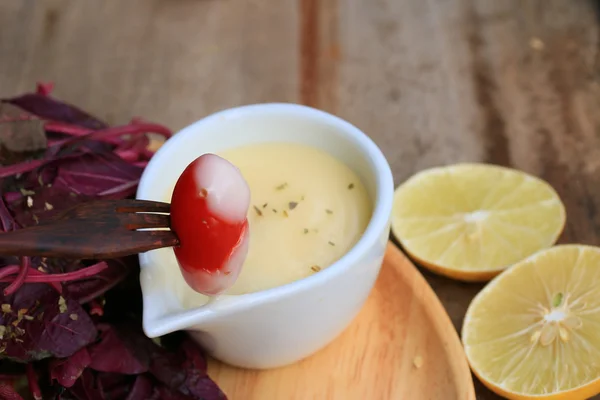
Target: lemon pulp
(534,331)
(471,221)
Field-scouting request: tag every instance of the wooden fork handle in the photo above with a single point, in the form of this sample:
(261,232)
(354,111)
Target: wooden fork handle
(55,240)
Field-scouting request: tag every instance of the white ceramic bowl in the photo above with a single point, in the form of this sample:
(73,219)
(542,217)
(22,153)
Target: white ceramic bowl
(284,324)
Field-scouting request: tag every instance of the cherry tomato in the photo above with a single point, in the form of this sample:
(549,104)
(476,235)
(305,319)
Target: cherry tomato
(208,214)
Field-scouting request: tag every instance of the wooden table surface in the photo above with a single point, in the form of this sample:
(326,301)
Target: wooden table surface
(511,82)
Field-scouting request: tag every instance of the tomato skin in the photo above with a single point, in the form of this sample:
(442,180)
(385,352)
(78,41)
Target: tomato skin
(211,249)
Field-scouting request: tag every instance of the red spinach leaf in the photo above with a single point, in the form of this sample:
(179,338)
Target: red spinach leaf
(185,371)
(43,204)
(38,323)
(51,109)
(98,174)
(67,370)
(87,387)
(142,389)
(7,392)
(118,352)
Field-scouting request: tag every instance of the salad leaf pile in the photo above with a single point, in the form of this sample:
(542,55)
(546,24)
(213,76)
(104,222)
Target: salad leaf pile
(71,329)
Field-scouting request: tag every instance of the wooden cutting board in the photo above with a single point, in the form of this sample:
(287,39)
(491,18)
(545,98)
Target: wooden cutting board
(401,346)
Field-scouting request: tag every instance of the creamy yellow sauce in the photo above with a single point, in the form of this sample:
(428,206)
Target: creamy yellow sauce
(307,210)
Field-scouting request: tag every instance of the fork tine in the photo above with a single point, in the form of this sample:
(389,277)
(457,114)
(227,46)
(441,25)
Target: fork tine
(149,240)
(142,206)
(142,220)
(138,242)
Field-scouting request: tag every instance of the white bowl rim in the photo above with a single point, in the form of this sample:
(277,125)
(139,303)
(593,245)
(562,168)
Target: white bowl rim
(382,203)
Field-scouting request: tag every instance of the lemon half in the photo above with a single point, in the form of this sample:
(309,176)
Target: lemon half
(534,331)
(471,221)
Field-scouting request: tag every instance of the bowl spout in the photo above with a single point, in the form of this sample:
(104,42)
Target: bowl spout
(201,318)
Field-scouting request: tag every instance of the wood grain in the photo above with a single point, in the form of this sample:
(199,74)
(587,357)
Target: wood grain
(431,81)
(402,345)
